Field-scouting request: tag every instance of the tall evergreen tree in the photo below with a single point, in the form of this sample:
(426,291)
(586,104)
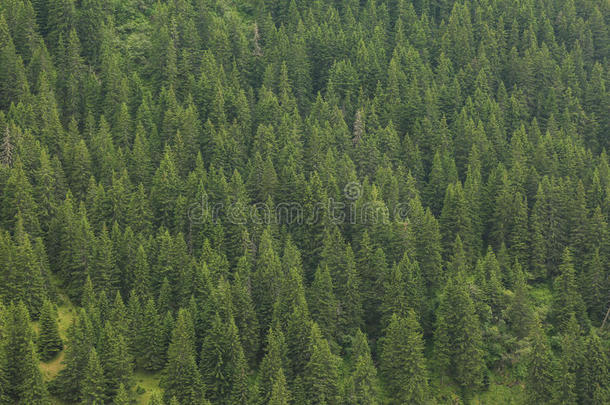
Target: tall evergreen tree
(26,383)
(540,366)
(49,341)
(93,386)
(457,339)
(181,377)
(321,372)
(567,299)
(402,361)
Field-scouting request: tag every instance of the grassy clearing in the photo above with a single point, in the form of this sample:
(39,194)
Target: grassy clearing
(146,382)
(65,315)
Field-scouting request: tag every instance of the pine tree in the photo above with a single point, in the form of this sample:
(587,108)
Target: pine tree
(402,361)
(49,341)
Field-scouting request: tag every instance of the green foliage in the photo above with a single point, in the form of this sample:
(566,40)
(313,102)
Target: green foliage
(92,390)
(540,368)
(191,176)
(49,341)
(26,384)
(320,377)
(402,361)
(457,339)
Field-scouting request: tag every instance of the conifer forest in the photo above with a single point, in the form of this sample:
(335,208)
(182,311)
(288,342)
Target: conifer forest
(292,202)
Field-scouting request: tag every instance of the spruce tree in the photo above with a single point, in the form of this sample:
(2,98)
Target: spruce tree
(457,340)
(273,363)
(181,377)
(49,341)
(116,360)
(567,299)
(93,386)
(221,352)
(150,347)
(540,368)
(402,360)
(245,315)
(322,302)
(320,376)
(121,397)
(26,384)
(280,395)
(592,385)
(364,373)
(519,311)
(266,280)
(68,383)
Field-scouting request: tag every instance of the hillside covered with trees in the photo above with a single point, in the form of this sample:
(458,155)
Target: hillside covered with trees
(292,202)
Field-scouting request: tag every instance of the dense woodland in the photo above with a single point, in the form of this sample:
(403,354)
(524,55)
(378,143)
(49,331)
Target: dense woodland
(145,143)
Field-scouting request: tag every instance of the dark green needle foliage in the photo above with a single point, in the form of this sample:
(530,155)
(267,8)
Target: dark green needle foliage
(403,364)
(304,202)
(49,341)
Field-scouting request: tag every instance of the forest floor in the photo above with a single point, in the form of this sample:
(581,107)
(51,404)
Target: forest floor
(145,383)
